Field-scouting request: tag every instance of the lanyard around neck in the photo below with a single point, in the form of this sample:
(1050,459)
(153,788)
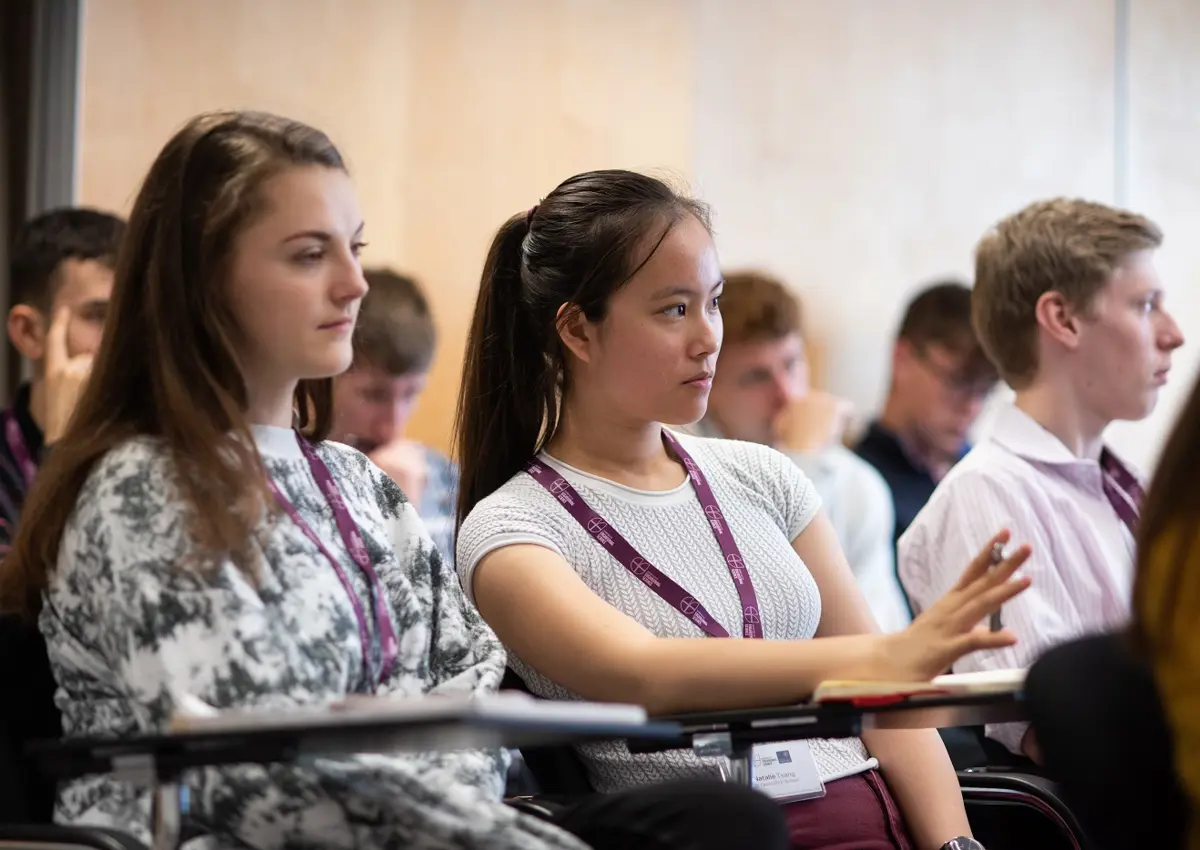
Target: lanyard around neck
(640,568)
(387,639)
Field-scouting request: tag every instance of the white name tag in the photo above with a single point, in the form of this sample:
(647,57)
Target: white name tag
(787,772)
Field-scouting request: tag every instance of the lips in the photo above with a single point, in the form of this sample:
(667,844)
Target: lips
(699,378)
(340,323)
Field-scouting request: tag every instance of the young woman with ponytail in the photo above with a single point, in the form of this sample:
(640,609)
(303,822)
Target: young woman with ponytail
(600,546)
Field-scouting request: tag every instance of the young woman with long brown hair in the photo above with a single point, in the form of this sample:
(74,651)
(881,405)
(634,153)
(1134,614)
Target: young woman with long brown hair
(194,533)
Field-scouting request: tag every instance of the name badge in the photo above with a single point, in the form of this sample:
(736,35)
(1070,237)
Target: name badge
(787,772)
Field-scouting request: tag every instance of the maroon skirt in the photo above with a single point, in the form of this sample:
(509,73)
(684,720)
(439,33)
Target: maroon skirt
(856,813)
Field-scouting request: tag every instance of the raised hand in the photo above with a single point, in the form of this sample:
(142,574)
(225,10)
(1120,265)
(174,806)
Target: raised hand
(953,626)
(64,378)
(814,422)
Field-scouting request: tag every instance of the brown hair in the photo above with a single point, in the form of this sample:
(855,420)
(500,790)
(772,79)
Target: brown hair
(167,366)
(395,329)
(577,247)
(756,307)
(1071,247)
(45,242)
(1168,535)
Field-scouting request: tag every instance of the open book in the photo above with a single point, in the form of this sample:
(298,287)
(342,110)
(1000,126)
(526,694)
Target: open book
(863,692)
(195,716)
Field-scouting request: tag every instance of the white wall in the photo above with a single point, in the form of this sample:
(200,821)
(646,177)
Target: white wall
(858,148)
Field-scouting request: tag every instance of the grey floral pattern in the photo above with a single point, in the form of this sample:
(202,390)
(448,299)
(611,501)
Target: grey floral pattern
(131,625)
(438,502)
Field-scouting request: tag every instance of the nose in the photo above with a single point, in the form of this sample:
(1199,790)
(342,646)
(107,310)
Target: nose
(350,284)
(706,340)
(1170,336)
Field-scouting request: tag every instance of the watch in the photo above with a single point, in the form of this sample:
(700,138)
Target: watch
(962,843)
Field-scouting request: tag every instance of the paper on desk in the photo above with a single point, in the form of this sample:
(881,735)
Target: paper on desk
(982,682)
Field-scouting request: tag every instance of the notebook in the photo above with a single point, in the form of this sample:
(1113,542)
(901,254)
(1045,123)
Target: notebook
(863,692)
(194,716)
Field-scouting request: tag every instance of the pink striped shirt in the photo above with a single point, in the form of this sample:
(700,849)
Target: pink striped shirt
(1024,479)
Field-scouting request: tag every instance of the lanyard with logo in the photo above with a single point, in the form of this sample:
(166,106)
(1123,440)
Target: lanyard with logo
(1122,488)
(388,640)
(18,447)
(643,570)
(786,770)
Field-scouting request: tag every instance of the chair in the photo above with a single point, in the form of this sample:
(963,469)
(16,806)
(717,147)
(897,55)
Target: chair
(1008,810)
(27,799)
(1100,724)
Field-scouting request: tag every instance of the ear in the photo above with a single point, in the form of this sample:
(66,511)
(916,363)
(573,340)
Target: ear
(27,331)
(576,333)
(1058,319)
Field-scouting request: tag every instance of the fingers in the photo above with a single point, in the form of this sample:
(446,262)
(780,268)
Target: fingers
(56,340)
(983,638)
(993,599)
(982,563)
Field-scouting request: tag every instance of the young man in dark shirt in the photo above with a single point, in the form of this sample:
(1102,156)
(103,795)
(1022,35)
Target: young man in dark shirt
(61,277)
(940,380)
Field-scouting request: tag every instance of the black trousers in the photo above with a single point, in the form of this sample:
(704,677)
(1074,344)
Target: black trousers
(685,815)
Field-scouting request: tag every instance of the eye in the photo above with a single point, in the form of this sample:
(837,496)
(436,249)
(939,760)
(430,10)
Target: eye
(676,311)
(310,256)
(715,304)
(356,248)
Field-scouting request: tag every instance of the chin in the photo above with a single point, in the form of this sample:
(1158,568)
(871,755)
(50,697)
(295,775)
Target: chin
(328,368)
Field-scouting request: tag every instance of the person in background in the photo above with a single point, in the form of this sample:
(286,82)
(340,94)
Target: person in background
(940,380)
(394,345)
(194,534)
(621,561)
(761,394)
(61,277)
(1166,597)
(1069,306)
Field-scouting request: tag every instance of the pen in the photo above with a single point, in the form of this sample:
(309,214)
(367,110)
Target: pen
(995,623)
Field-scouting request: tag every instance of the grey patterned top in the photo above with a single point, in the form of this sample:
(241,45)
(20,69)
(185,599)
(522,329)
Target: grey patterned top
(767,502)
(130,628)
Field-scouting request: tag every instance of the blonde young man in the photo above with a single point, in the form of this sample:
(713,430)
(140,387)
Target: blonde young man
(1069,306)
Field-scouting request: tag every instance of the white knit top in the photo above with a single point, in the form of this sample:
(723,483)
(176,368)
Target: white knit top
(767,502)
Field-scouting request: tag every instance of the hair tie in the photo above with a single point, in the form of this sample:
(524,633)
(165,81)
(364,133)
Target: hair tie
(529,215)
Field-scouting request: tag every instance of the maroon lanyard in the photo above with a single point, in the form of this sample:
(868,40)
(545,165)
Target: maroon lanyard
(1122,488)
(643,570)
(388,641)
(16,445)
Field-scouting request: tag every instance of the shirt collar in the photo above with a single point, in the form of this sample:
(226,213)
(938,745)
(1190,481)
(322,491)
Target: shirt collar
(1024,436)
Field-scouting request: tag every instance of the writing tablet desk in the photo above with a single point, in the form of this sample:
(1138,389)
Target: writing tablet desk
(734,734)
(158,761)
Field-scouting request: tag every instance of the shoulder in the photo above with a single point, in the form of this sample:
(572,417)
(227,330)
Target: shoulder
(752,463)
(137,474)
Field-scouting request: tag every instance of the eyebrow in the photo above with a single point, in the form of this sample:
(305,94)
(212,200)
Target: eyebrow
(672,291)
(322,235)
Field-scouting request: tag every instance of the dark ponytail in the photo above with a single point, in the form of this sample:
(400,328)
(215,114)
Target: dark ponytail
(578,246)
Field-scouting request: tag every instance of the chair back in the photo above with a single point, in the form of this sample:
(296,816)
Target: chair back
(1100,724)
(27,713)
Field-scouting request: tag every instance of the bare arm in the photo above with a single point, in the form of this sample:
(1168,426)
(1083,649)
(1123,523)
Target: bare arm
(546,615)
(914,761)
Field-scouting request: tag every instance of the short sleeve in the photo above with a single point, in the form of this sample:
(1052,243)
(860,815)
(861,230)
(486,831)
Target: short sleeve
(789,493)
(511,516)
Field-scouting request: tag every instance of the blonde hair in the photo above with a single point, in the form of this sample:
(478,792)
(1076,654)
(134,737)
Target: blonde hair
(1067,246)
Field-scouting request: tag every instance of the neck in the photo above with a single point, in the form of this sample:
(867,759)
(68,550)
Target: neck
(629,453)
(1056,409)
(37,402)
(896,419)
(271,404)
